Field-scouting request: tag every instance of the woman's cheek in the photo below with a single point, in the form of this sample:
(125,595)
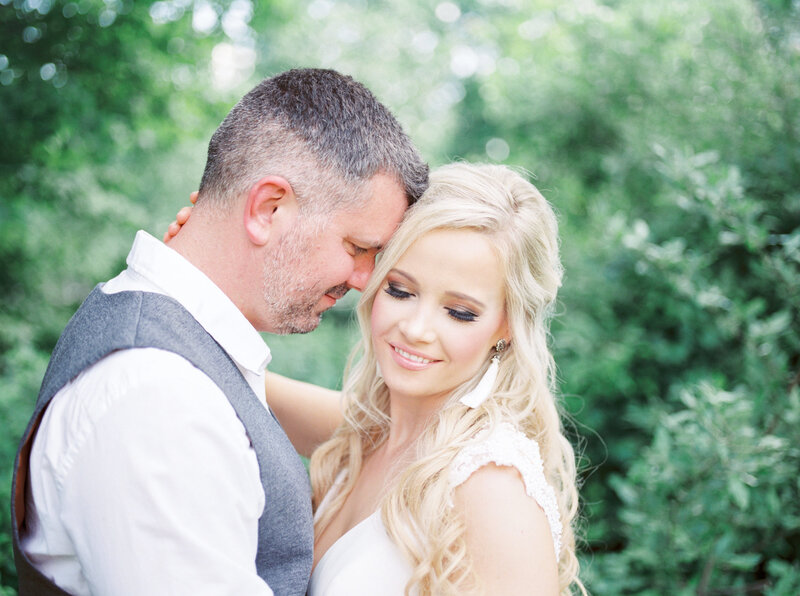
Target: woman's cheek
(468,347)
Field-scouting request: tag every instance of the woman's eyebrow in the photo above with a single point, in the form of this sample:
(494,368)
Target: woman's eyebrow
(467,297)
(460,295)
(408,276)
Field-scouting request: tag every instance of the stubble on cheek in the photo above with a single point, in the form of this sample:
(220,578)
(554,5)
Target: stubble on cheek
(289,296)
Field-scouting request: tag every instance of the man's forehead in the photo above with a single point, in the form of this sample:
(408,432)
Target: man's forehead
(372,223)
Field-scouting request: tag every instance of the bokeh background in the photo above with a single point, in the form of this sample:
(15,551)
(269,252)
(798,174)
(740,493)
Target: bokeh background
(665,133)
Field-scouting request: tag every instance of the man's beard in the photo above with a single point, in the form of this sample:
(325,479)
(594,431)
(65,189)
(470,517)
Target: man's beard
(290,292)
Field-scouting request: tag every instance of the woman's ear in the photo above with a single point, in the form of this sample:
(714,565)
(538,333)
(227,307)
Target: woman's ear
(270,208)
(504,333)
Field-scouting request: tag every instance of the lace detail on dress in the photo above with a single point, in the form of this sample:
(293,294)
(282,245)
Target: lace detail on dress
(507,446)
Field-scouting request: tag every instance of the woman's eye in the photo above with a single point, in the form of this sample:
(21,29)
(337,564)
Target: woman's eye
(462,315)
(396,292)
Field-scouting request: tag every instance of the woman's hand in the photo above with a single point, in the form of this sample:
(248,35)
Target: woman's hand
(180,218)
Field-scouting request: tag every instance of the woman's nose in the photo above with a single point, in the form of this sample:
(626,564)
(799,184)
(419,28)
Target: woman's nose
(416,326)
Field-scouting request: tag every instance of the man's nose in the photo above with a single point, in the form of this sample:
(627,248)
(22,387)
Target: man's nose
(362,269)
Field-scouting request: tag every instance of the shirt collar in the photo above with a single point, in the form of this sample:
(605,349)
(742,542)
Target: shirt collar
(179,279)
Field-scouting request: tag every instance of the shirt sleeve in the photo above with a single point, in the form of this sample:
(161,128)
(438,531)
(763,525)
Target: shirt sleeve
(161,492)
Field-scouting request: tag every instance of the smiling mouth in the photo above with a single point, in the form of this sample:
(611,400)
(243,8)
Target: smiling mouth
(412,357)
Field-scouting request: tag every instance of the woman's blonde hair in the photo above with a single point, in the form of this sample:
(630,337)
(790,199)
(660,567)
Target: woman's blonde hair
(498,202)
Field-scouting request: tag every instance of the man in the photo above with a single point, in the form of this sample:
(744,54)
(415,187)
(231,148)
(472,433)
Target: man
(152,463)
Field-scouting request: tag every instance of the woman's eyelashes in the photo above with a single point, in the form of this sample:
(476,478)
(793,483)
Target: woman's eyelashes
(459,314)
(462,315)
(396,292)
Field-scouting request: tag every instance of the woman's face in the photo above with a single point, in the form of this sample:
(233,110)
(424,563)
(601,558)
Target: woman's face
(438,313)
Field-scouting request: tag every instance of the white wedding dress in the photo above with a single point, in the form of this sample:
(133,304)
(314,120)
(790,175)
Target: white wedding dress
(365,562)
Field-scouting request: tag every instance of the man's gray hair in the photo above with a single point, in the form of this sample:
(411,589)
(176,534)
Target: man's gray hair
(322,131)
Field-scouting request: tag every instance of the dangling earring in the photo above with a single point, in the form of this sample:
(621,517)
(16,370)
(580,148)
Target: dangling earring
(484,387)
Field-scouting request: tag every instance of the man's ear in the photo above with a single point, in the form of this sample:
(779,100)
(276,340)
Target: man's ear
(271,207)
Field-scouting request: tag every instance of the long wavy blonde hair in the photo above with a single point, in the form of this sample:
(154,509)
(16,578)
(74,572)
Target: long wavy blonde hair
(498,202)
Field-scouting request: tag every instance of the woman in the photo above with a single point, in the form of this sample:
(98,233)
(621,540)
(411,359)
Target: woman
(450,473)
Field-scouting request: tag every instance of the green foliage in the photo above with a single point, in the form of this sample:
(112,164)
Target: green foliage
(710,491)
(680,337)
(711,501)
(665,133)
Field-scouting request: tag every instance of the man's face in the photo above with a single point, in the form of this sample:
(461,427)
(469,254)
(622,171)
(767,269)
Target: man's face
(313,266)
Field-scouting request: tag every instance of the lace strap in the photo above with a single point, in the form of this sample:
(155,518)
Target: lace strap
(507,446)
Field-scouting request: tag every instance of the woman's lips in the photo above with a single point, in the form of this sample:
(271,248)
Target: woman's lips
(410,359)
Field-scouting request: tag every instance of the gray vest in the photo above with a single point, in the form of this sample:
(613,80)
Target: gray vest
(108,322)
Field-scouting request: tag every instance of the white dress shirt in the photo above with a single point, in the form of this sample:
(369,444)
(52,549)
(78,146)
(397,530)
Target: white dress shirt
(143,480)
